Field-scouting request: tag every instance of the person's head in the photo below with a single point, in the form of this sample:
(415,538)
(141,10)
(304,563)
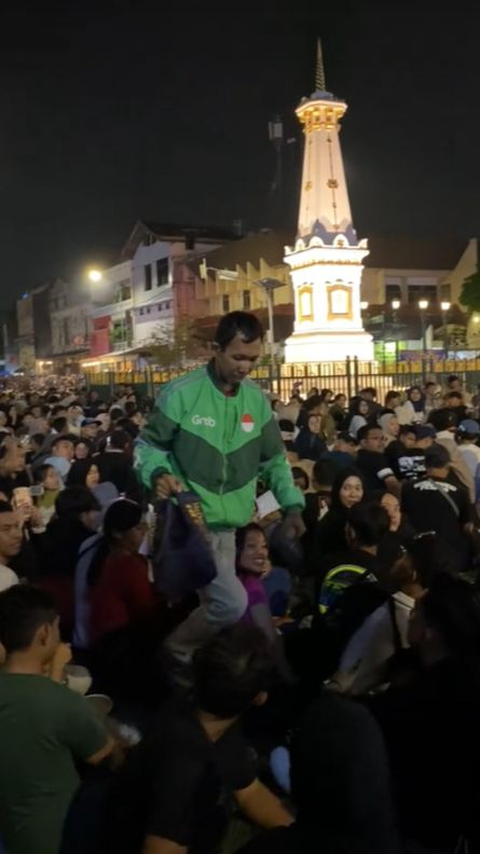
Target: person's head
(454,383)
(339,761)
(74,412)
(369,393)
(313,392)
(370,437)
(324,474)
(392,505)
(123,526)
(3,418)
(407,436)
(49,477)
(61,425)
(237,347)
(29,623)
(346,443)
(415,394)
(431,389)
(359,406)
(454,399)
(390,426)
(443,419)
(415,570)
(12,456)
(63,446)
(83,473)
(37,442)
(392,399)
(468,431)
(446,622)
(300,478)
(314,423)
(347,489)
(340,400)
(58,411)
(252,549)
(89,428)
(367,525)
(424,436)
(232,672)
(10,533)
(77,504)
(83,449)
(437,461)
(315,405)
(327,395)
(119,440)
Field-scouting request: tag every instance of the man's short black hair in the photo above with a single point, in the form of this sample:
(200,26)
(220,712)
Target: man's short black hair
(238,323)
(442,419)
(436,457)
(231,670)
(452,394)
(369,523)
(73,501)
(452,378)
(60,424)
(325,472)
(362,432)
(405,429)
(63,438)
(23,609)
(119,439)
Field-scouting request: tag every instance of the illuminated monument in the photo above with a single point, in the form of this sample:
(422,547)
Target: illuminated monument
(326,261)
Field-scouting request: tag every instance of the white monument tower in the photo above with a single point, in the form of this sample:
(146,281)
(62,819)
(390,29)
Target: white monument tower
(326,261)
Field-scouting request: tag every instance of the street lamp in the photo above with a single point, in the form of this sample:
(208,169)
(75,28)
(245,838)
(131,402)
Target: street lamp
(423,305)
(95,276)
(445,308)
(363,305)
(395,304)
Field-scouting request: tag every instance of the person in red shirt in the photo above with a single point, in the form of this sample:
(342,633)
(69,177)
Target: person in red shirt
(125,622)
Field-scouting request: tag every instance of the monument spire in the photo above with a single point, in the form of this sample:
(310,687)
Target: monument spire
(320,85)
(326,261)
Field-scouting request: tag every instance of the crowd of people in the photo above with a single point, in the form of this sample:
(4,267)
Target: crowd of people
(310,682)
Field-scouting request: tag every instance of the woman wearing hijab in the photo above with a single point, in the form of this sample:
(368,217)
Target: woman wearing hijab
(347,490)
(390,427)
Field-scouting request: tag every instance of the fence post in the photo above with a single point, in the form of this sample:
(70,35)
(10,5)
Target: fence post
(349,377)
(355,370)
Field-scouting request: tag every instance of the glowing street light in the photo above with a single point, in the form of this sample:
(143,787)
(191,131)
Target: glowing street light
(445,307)
(396,304)
(423,305)
(95,276)
(364,305)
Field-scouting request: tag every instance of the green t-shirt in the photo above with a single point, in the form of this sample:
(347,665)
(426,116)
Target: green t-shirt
(44,727)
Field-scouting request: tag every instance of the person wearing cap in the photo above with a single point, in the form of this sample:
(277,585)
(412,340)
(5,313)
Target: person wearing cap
(439,503)
(467,435)
(89,428)
(343,452)
(445,423)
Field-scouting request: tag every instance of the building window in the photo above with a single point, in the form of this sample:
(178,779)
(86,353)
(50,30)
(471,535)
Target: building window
(226,303)
(141,311)
(246,301)
(392,292)
(148,277)
(417,292)
(148,309)
(162,272)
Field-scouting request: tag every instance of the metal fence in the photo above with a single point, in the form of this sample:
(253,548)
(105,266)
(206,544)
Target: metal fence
(346,377)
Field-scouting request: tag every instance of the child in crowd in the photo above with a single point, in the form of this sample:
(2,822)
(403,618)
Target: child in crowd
(47,477)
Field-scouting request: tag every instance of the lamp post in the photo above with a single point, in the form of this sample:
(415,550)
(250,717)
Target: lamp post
(423,305)
(445,308)
(268,285)
(95,276)
(395,306)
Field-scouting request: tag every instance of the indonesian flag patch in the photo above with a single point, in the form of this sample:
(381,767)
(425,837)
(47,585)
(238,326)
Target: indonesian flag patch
(247,423)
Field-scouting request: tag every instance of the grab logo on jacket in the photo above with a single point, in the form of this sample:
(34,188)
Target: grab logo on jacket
(204,421)
(247,423)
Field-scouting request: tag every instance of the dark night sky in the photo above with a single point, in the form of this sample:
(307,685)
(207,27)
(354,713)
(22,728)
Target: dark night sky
(111,112)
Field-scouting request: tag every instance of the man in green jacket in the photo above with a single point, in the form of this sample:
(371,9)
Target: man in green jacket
(212,431)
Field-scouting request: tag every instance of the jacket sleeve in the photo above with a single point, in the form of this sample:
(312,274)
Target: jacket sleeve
(275,470)
(153,448)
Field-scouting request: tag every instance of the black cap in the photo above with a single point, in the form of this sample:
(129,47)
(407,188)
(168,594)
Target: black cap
(348,438)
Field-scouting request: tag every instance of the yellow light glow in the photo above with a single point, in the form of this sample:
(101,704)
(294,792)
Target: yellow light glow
(423,304)
(95,276)
(396,304)
(445,306)
(364,305)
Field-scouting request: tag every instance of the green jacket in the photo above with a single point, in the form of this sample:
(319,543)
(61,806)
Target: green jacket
(217,446)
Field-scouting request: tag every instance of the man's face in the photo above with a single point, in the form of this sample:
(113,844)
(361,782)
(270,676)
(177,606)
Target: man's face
(10,535)
(237,360)
(90,431)
(455,385)
(74,413)
(408,439)
(453,402)
(14,459)
(64,449)
(374,441)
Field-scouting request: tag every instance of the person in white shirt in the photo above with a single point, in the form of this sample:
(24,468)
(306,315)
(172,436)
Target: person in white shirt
(10,543)
(363,664)
(468,434)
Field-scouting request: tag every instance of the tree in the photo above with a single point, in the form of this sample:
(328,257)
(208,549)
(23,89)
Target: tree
(470,296)
(173,347)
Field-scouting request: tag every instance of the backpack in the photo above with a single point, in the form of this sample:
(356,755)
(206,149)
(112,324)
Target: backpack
(349,595)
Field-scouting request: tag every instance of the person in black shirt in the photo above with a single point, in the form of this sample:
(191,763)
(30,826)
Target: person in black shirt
(172,792)
(372,462)
(438,504)
(407,459)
